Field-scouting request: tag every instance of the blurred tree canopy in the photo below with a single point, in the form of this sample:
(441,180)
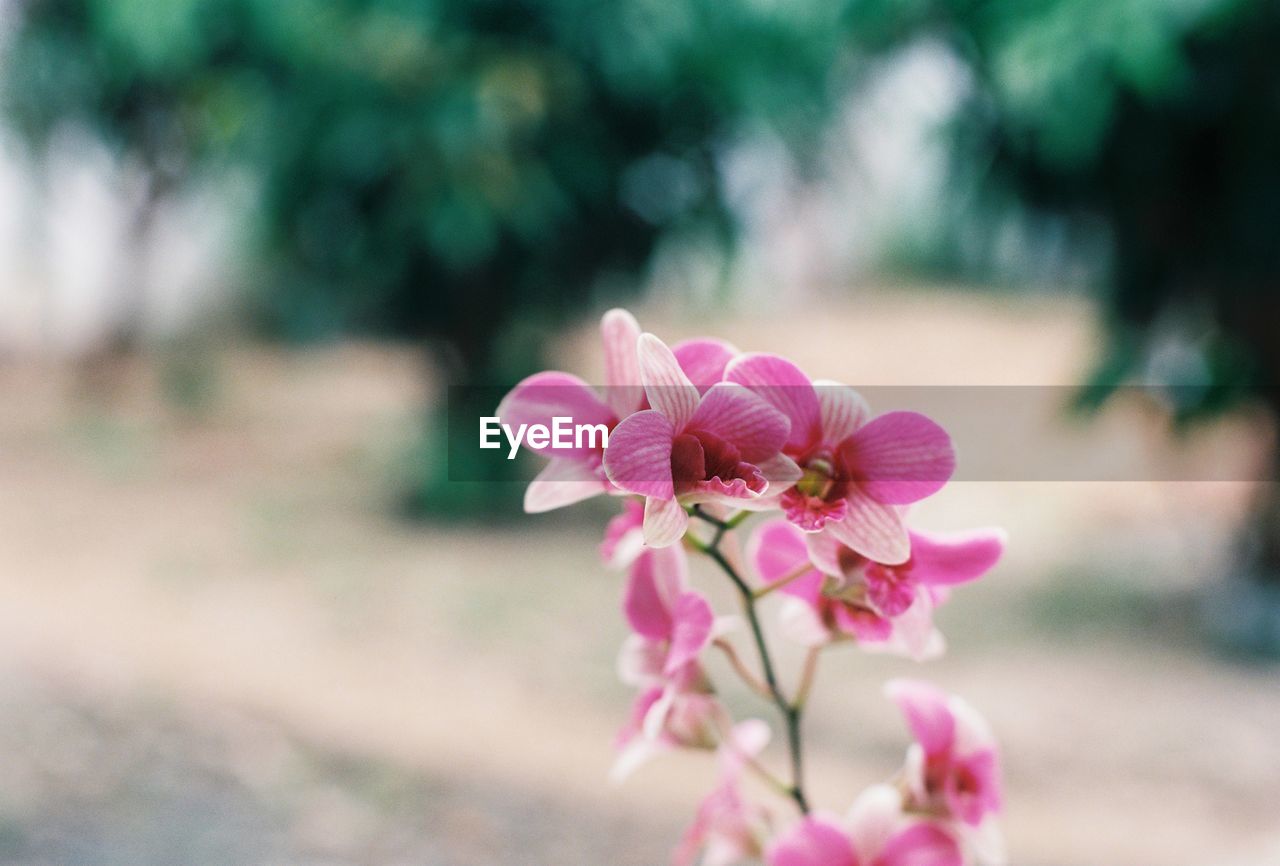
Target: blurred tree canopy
(436,170)
(441,170)
(433,168)
(1158,120)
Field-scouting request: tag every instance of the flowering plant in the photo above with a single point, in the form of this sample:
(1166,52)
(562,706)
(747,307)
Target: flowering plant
(701,437)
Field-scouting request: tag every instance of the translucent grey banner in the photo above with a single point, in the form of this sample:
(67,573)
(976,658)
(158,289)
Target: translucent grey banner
(999,433)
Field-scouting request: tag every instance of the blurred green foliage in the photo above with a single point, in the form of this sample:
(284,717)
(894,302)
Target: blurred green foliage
(434,168)
(467,172)
(464,173)
(1157,121)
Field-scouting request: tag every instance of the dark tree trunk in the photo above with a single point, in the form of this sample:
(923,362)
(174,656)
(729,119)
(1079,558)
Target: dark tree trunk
(455,479)
(1243,612)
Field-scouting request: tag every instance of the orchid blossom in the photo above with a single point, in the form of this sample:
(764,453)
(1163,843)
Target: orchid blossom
(728,827)
(954,765)
(663,719)
(856,470)
(836,593)
(723,445)
(671,626)
(701,433)
(573,475)
(875,833)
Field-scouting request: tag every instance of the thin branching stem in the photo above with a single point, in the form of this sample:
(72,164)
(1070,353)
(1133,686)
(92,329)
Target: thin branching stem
(744,672)
(791,711)
(807,677)
(800,570)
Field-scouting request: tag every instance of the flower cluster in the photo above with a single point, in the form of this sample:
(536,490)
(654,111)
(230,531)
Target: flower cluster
(702,437)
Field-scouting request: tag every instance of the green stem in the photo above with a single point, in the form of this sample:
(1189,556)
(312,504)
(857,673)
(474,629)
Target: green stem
(797,572)
(741,669)
(806,678)
(790,711)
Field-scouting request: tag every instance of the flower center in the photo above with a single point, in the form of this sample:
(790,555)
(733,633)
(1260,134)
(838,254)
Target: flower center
(817,480)
(818,497)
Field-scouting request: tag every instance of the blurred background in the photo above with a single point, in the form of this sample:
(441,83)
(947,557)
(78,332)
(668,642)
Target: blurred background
(245,245)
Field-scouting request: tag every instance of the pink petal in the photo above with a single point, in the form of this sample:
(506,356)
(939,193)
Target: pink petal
(742,419)
(784,385)
(873,818)
(728,850)
(692,621)
(776,550)
(703,360)
(622,535)
(913,633)
(800,623)
(842,409)
(639,711)
(943,560)
(638,458)
(723,828)
(634,748)
(864,626)
(624,391)
(690,718)
(729,492)
(812,842)
(665,522)
(641,661)
(694,838)
(780,471)
(635,754)
(747,740)
(925,707)
(562,482)
(900,457)
(921,845)
(654,582)
(668,388)
(654,725)
(981,794)
(973,734)
(825,552)
(872,529)
(545,396)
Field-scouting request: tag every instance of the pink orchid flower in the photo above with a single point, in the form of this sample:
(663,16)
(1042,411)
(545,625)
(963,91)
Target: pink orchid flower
(839,593)
(727,828)
(953,768)
(855,471)
(723,445)
(679,715)
(573,475)
(671,626)
(875,834)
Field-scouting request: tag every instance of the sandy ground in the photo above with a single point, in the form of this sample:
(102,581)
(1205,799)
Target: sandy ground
(218,644)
